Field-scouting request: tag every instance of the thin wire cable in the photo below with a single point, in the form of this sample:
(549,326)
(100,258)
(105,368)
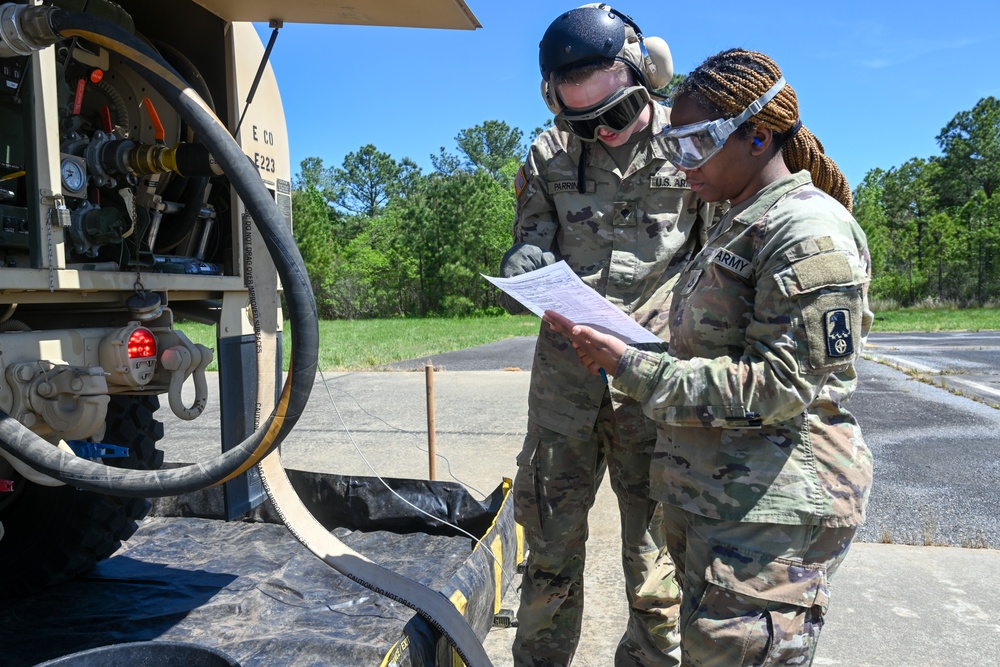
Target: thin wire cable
(391,490)
(406,432)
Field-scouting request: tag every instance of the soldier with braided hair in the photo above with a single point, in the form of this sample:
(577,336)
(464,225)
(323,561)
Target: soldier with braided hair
(755,73)
(762,470)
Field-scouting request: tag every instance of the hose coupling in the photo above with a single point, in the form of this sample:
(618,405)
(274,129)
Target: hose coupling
(25,29)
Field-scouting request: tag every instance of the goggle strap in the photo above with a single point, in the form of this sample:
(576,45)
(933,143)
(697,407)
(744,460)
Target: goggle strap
(758,104)
(721,131)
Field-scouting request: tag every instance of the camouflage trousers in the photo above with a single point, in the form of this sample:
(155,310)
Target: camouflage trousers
(754,593)
(557,480)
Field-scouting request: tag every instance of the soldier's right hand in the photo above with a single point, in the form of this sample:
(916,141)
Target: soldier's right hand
(521,258)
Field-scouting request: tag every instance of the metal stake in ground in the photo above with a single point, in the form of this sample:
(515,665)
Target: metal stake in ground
(431,437)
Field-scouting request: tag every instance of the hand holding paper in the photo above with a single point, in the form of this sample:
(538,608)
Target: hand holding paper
(599,352)
(558,289)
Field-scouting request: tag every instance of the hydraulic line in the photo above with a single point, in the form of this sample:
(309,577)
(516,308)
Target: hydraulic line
(41,26)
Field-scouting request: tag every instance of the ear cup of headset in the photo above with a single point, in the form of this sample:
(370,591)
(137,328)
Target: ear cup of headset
(660,65)
(551,100)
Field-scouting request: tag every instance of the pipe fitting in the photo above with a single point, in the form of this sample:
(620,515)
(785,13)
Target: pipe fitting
(25,29)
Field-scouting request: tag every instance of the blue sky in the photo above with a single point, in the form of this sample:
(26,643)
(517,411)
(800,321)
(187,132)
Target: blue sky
(876,81)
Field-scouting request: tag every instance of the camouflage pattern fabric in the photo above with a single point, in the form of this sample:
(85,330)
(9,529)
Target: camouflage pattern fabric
(766,324)
(754,594)
(626,233)
(556,483)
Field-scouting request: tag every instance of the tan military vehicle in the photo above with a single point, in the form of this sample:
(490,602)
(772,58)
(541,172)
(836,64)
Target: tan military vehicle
(126,210)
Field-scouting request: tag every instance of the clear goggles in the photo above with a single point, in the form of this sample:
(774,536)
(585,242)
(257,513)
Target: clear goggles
(691,146)
(617,112)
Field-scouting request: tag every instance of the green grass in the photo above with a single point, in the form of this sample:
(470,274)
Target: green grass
(936,319)
(365,344)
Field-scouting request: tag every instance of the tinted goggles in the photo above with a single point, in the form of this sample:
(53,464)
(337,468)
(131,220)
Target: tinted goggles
(691,146)
(616,112)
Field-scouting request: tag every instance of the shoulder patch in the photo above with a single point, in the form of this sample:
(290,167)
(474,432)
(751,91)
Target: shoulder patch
(838,328)
(732,262)
(520,181)
(832,326)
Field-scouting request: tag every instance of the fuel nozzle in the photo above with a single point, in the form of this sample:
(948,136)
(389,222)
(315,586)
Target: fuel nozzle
(188,160)
(128,157)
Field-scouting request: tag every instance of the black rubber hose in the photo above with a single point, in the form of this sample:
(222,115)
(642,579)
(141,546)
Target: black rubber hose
(193,191)
(92,476)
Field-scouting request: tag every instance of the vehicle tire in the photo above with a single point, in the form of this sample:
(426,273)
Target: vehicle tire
(53,534)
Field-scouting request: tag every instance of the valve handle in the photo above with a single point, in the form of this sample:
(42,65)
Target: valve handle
(154,118)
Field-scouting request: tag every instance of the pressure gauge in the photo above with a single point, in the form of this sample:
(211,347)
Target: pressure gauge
(74,176)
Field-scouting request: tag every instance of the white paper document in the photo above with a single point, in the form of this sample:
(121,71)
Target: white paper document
(555,287)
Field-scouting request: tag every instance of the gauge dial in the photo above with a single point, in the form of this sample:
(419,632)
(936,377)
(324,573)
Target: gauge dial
(74,177)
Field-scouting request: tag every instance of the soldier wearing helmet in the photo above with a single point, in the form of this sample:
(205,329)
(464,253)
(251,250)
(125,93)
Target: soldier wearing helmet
(597,191)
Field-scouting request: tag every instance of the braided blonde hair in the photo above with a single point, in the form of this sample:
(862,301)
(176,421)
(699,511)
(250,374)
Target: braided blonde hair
(728,82)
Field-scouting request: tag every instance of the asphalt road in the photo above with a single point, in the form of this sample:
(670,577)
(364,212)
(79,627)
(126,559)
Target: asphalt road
(965,362)
(937,468)
(505,354)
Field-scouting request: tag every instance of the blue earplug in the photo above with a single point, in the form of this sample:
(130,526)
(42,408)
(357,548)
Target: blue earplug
(756,141)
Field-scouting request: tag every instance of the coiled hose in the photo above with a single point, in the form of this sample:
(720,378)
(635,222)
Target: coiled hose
(46,25)
(41,26)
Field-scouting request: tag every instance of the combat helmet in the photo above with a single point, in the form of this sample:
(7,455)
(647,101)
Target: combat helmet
(597,32)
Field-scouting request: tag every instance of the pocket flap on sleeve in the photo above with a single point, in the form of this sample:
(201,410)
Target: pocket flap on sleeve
(825,270)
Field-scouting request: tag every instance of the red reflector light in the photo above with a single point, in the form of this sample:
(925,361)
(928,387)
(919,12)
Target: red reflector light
(141,344)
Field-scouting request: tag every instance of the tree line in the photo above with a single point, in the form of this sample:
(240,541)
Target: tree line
(380,238)
(933,225)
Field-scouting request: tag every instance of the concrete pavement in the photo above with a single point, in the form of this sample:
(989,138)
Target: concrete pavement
(893,604)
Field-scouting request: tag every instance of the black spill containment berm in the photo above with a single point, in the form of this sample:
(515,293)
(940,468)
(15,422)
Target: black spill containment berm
(145,654)
(247,591)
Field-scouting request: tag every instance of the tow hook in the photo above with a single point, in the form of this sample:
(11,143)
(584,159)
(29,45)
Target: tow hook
(182,361)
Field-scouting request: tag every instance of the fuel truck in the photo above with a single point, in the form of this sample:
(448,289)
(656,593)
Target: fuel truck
(145,182)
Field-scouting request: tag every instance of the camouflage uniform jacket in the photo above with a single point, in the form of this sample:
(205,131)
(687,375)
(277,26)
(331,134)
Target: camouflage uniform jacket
(766,324)
(627,236)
